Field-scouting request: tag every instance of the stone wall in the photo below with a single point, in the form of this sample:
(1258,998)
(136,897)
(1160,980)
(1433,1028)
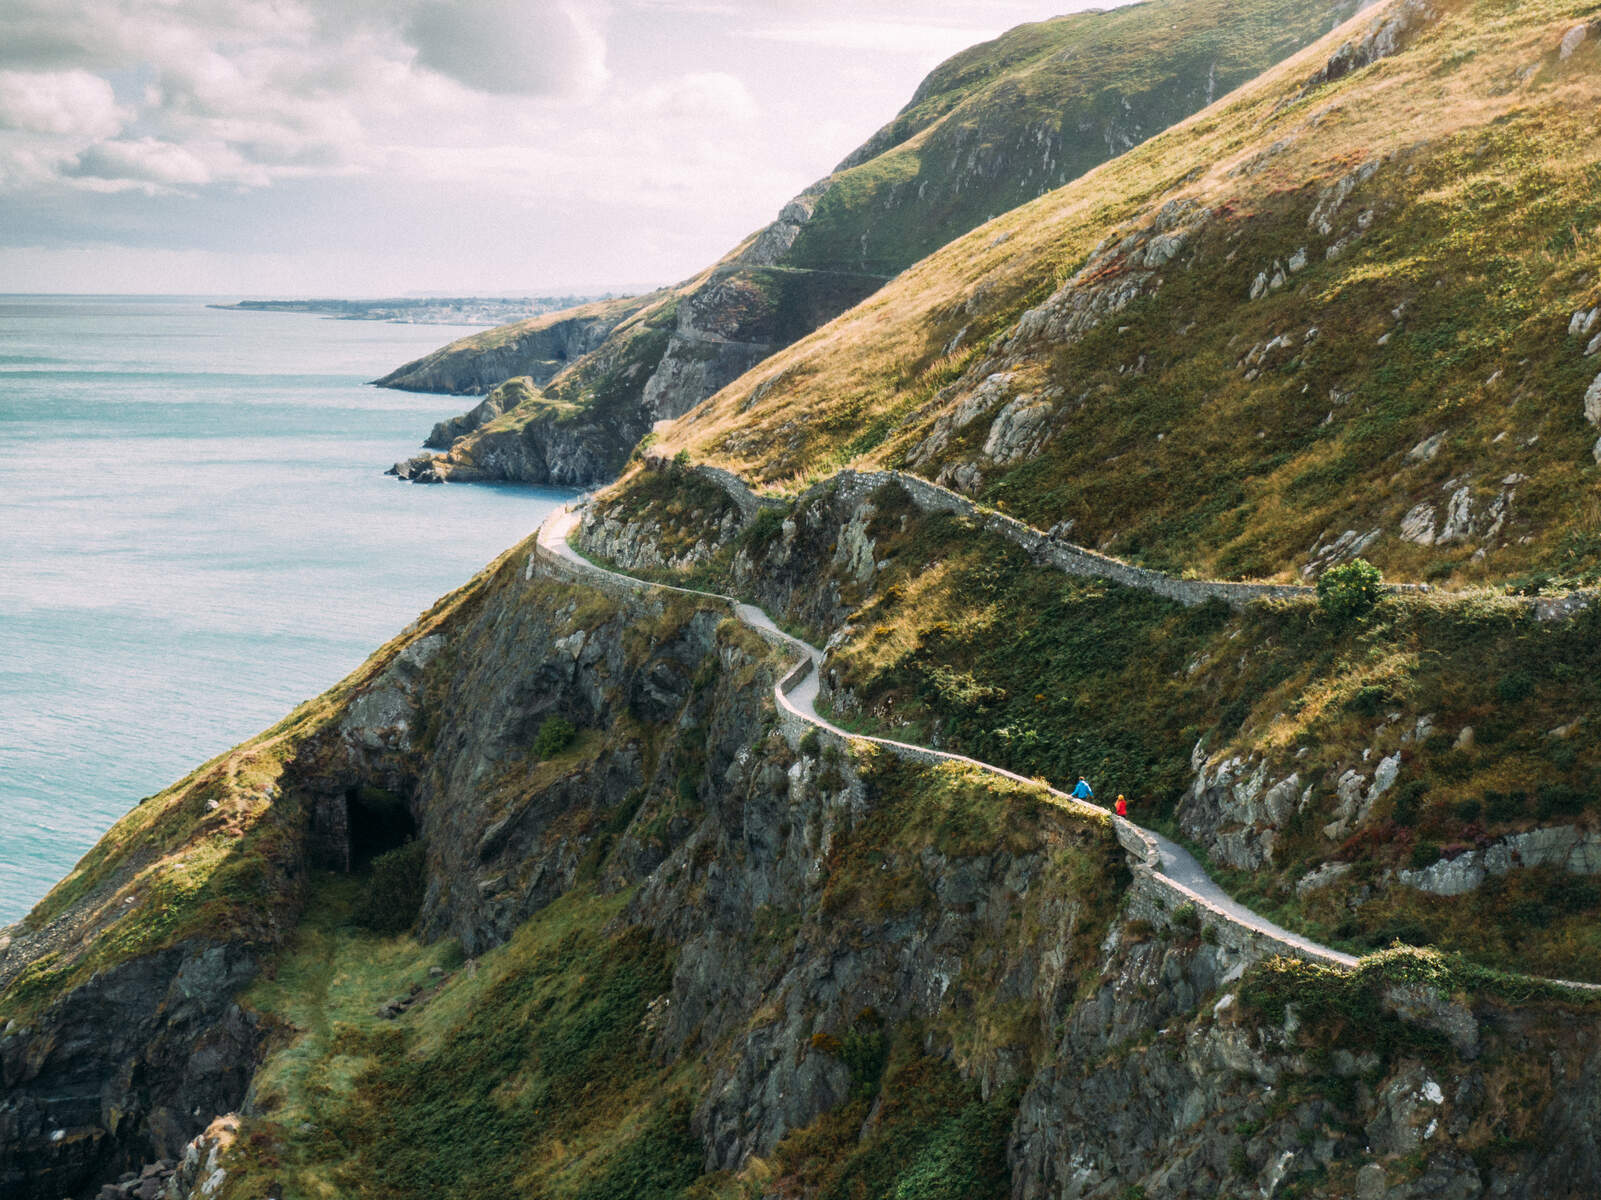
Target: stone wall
(1073,559)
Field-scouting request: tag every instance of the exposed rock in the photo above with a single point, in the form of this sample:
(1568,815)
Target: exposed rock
(1592,402)
(774,242)
(382,715)
(1388,35)
(502,400)
(1418,524)
(1564,846)
(1333,197)
(1236,815)
(856,552)
(1347,546)
(1458,524)
(1019,430)
(1447,877)
(1113,278)
(1357,795)
(1571,41)
(1426,450)
(1409,1113)
(1325,876)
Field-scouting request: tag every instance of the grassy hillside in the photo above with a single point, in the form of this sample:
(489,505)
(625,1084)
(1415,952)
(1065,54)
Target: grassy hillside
(992,128)
(1003,122)
(1332,302)
(950,636)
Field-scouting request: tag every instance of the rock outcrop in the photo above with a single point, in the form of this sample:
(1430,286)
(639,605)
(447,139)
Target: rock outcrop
(540,348)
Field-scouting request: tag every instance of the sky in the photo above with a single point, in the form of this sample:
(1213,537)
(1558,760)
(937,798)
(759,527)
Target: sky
(395,147)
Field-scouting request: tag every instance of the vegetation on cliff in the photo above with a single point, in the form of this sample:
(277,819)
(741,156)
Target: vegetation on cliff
(1348,310)
(941,633)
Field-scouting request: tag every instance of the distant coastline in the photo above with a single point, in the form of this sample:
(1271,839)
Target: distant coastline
(468,310)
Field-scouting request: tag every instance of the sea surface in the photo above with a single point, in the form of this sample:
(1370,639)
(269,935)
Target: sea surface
(196,534)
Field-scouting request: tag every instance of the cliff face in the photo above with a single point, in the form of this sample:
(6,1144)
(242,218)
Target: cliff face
(664,938)
(991,129)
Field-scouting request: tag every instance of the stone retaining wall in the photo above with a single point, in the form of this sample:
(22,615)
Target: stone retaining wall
(1076,560)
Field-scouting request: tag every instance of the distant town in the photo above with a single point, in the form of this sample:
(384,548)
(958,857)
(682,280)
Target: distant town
(470,310)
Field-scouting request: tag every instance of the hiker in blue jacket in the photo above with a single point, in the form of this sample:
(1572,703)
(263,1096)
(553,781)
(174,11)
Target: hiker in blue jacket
(1083,791)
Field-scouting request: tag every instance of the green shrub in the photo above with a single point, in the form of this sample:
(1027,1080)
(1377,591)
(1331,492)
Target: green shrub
(811,742)
(1514,687)
(687,789)
(1406,802)
(1350,590)
(764,527)
(1187,916)
(658,1164)
(395,892)
(1556,800)
(555,735)
(1504,806)
(1425,854)
(1369,700)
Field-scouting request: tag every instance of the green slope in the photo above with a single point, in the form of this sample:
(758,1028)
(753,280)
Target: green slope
(992,128)
(1359,305)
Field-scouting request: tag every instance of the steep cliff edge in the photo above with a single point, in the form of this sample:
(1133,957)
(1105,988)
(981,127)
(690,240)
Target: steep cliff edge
(992,128)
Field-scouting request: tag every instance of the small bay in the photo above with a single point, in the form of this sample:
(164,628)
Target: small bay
(196,534)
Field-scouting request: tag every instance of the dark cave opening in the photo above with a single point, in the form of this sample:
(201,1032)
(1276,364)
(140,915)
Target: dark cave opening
(379,822)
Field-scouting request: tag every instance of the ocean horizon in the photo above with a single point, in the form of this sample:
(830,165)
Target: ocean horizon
(197,536)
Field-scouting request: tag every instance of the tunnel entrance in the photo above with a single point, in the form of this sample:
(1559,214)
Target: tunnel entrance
(377,822)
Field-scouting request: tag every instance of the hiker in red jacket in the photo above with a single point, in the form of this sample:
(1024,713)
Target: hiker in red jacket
(1122,807)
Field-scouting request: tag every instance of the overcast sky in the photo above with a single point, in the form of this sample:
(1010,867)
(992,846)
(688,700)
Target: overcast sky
(381,147)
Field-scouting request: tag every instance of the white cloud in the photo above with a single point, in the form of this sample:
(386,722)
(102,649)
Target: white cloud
(142,161)
(510,47)
(710,96)
(66,103)
(629,138)
(880,36)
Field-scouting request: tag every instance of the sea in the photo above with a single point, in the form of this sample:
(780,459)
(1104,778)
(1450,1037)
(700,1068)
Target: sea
(196,534)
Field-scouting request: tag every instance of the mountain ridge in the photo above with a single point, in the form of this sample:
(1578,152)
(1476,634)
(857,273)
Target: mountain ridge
(1223,227)
(998,124)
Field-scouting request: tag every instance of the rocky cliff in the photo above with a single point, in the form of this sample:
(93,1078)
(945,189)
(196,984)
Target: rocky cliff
(992,128)
(540,348)
(663,942)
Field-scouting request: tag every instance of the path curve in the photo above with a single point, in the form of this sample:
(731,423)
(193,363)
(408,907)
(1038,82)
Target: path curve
(1167,864)
(797,692)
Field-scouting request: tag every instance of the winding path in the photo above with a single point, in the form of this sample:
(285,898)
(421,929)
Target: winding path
(1171,867)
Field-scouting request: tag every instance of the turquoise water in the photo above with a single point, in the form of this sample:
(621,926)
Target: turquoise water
(196,535)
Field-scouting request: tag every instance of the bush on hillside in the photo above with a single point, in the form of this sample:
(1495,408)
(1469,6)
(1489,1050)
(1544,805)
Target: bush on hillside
(1350,590)
(555,735)
(395,891)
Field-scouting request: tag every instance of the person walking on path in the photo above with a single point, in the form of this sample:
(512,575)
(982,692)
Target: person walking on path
(1122,807)
(1083,791)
